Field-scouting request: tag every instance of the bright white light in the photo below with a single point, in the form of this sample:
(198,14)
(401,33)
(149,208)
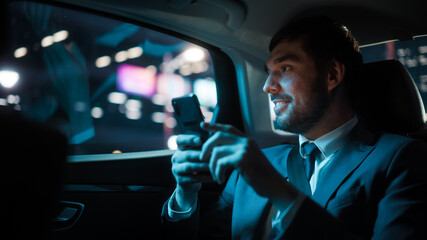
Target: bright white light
(194,54)
(172,142)
(60,36)
(133,115)
(13,99)
(47,41)
(20,52)
(8,79)
(121,56)
(103,61)
(133,105)
(97,112)
(117,98)
(158,117)
(134,52)
(205,89)
(3,102)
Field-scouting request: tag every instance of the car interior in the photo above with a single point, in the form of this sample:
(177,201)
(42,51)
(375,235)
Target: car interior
(86,85)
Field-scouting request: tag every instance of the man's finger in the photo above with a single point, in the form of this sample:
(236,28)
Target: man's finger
(216,127)
(190,169)
(217,153)
(186,156)
(220,138)
(224,167)
(185,141)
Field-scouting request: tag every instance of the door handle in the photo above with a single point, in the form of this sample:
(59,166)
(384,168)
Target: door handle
(67,216)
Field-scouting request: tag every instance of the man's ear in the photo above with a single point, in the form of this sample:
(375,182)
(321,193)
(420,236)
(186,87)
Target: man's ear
(335,74)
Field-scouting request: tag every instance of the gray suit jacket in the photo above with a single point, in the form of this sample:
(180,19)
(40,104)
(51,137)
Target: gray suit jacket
(376,188)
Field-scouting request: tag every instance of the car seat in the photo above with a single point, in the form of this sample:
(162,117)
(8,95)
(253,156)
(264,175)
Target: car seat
(388,100)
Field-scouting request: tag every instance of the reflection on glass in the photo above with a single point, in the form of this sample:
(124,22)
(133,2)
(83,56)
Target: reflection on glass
(106,84)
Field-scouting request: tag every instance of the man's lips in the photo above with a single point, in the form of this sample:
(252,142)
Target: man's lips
(280,104)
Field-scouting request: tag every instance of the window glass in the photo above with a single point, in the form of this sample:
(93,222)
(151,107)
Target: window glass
(412,54)
(106,84)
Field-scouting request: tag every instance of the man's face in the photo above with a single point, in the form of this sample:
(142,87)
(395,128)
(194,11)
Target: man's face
(299,94)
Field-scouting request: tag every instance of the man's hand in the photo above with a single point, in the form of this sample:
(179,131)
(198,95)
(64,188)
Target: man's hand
(188,171)
(228,149)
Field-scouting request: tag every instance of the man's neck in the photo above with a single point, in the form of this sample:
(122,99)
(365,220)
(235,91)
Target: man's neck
(328,123)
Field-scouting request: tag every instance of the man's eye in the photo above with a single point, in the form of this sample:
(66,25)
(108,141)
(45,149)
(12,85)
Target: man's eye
(284,68)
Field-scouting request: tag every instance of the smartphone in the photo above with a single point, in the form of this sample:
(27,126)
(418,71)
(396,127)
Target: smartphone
(188,115)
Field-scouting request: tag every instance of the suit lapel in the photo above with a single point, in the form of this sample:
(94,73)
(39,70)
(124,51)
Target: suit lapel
(259,206)
(346,160)
(252,213)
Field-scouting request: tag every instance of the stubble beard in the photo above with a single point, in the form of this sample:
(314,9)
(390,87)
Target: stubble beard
(300,119)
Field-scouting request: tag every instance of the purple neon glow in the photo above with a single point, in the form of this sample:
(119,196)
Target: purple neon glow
(136,80)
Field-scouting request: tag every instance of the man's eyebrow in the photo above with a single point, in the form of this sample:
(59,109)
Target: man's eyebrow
(291,56)
(286,57)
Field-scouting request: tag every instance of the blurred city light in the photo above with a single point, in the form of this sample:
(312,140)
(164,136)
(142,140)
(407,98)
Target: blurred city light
(159,99)
(80,106)
(56,37)
(8,79)
(3,102)
(13,99)
(121,56)
(185,70)
(172,85)
(47,41)
(172,142)
(97,112)
(205,89)
(60,36)
(152,69)
(136,80)
(133,114)
(20,52)
(117,98)
(194,54)
(103,61)
(158,117)
(134,52)
(170,122)
(133,105)
(199,67)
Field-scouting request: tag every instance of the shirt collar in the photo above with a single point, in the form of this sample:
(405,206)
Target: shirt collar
(329,143)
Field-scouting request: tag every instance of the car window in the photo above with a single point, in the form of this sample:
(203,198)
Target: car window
(107,84)
(412,54)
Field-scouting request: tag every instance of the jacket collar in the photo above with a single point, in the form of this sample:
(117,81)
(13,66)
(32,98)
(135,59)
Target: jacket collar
(354,151)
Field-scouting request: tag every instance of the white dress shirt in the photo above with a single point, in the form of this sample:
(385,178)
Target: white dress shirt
(328,145)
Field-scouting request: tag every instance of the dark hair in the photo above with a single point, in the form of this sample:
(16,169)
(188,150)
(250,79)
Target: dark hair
(325,40)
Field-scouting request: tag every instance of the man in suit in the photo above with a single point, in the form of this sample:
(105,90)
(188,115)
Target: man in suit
(340,182)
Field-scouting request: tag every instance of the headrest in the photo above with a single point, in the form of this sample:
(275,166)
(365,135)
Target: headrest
(389,98)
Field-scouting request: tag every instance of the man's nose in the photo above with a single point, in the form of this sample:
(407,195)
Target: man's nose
(271,85)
